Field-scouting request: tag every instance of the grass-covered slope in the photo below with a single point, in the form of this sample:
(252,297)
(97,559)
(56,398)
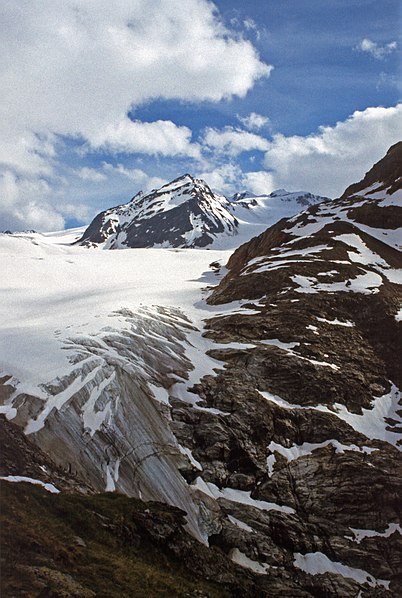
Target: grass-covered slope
(105,545)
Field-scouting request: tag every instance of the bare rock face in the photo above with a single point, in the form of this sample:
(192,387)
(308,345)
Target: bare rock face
(311,410)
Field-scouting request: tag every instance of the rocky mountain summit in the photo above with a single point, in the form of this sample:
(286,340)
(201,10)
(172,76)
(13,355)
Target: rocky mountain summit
(261,399)
(186,213)
(183,213)
(384,177)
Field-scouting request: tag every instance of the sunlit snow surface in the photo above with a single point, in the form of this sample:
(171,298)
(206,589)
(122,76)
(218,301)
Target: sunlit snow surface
(52,292)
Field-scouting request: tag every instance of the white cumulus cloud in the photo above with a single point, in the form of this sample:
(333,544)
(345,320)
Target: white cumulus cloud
(377,51)
(224,179)
(333,158)
(90,174)
(144,181)
(254,121)
(28,203)
(159,137)
(234,141)
(259,182)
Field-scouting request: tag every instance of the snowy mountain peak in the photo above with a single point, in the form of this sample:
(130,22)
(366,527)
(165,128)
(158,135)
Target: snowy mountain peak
(182,213)
(187,213)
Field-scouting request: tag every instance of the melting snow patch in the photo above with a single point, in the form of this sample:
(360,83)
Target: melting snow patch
(9,411)
(306,284)
(394,275)
(270,465)
(336,322)
(307,251)
(233,345)
(277,343)
(160,393)
(19,478)
(289,346)
(240,496)
(316,563)
(366,284)
(240,524)
(93,420)
(372,423)
(329,273)
(280,402)
(360,534)
(300,450)
(244,561)
(57,401)
(186,451)
(362,254)
(110,485)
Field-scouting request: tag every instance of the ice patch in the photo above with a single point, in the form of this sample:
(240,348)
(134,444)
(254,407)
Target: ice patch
(360,534)
(240,496)
(243,560)
(92,419)
(8,410)
(316,563)
(19,478)
(240,524)
(186,451)
(160,394)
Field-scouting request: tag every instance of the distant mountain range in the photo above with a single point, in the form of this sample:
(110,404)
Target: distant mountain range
(186,213)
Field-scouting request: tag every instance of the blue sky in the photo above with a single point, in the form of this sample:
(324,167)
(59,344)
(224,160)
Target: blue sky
(319,77)
(101,100)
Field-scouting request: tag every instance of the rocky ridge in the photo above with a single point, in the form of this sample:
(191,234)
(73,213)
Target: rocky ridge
(186,213)
(182,213)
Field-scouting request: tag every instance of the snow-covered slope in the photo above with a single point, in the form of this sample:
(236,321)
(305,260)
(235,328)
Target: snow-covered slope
(186,213)
(93,343)
(255,214)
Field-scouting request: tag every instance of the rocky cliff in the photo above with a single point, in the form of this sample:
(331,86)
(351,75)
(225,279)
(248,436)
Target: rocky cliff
(312,389)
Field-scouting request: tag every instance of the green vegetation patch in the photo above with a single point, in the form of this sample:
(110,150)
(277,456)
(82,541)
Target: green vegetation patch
(81,546)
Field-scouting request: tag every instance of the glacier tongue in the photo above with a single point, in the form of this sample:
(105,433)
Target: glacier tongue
(103,421)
